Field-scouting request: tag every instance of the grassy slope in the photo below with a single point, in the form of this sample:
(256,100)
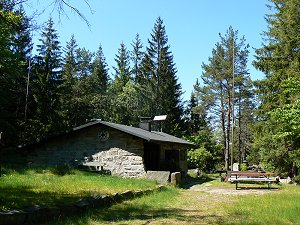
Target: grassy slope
(27,187)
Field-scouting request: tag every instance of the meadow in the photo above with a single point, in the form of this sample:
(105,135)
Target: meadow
(47,186)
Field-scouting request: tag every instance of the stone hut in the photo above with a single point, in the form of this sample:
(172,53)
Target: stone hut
(121,150)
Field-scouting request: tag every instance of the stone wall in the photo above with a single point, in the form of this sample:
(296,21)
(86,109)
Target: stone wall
(118,152)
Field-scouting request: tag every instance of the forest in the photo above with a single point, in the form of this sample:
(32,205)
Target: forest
(230,117)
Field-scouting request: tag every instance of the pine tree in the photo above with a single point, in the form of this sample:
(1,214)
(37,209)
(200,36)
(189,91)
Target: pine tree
(122,92)
(229,58)
(100,75)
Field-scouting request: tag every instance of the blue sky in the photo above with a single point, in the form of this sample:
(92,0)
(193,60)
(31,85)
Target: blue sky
(192,27)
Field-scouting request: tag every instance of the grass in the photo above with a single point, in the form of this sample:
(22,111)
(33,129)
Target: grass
(281,207)
(184,206)
(171,206)
(149,208)
(26,187)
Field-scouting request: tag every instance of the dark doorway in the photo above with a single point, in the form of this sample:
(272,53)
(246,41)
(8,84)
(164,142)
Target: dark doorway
(172,160)
(151,156)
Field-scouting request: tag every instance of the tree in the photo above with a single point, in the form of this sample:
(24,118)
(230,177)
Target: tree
(99,84)
(122,92)
(15,49)
(47,72)
(227,64)
(67,88)
(136,57)
(122,70)
(159,80)
(279,59)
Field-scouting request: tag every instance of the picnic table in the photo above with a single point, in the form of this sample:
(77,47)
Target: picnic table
(251,176)
(93,165)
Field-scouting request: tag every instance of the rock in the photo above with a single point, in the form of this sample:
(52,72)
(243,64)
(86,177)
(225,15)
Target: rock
(162,177)
(176,178)
(13,217)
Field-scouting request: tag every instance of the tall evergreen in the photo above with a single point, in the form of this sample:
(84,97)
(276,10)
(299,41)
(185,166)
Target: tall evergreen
(47,72)
(277,134)
(69,80)
(136,57)
(123,94)
(160,79)
(122,70)
(99,84)
(100,75)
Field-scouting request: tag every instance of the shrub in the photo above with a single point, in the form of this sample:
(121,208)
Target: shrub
(297,179)
(243,167)
(199,158)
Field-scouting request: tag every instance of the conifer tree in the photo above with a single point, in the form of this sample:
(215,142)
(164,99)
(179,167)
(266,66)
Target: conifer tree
(137,56)
(67,88)
(160,80)
(277,134)
(47,74)
(122,70)
(229,54)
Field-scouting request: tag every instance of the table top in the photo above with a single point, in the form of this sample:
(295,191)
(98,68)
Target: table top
(250,173)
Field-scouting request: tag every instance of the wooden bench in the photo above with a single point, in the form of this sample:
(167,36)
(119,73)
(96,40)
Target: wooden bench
(249,176)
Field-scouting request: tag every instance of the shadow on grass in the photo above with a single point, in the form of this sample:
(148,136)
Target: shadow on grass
(24,196)
(126,213)
(191,181)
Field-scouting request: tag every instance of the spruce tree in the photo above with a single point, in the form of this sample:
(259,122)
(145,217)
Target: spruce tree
(160,80)
(277,134)
(136,57)
(69,80)
(47,72)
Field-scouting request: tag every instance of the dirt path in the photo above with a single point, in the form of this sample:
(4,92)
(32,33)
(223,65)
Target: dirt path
(206,204)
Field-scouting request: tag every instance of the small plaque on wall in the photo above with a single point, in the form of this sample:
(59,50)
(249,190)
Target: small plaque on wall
(103,135)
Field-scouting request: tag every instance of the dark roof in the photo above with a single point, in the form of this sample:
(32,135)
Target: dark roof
(153,136)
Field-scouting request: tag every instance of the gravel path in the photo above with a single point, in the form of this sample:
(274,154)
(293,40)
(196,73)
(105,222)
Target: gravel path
(230,190)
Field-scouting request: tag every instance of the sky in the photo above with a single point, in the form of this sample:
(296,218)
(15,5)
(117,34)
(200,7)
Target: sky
(192,27)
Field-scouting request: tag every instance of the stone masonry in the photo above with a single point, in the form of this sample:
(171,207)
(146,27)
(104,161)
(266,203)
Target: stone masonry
(118,152)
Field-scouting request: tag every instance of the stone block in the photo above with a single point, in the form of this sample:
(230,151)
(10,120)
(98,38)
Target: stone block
(162,177)
(39,214)
(82,205)
(176,178)
(138,193)
(13,217)
(127,195)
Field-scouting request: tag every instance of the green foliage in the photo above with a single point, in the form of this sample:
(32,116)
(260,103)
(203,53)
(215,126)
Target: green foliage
(199,158)
(278,131)
(225,71)
(297,179)
(159,81)
(243,167)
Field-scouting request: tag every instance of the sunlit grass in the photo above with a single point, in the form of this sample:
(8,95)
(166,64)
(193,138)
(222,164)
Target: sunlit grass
(281,207)
(158,205)
(28,187)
